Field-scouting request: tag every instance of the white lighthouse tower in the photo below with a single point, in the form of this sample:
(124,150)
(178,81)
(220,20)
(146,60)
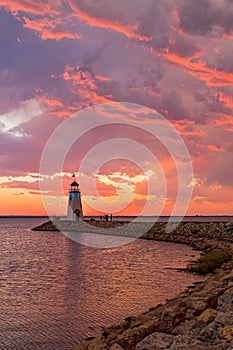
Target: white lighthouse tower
(75,211)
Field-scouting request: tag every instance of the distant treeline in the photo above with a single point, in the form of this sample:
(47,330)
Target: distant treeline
(22,216)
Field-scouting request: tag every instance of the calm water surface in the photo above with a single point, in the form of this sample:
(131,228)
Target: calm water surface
(55,292)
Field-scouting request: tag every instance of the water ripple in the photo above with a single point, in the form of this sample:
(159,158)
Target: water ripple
(55,292)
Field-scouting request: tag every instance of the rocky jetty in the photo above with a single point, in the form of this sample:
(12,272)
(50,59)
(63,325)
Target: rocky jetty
(199,235)
(200,318)
(82,225)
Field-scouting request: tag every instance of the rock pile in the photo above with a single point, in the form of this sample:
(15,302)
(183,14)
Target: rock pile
(200,318)
(212,329)
(200,235)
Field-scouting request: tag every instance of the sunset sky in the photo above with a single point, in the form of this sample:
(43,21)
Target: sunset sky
(60,56)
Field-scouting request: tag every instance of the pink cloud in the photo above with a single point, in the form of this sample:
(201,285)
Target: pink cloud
(50,29)
(199,69)
(84,85)
(130,31)
(226,100)
(52,102)
(215,148)
(102,78)
(226,122)
(188,128)
(33,7)
(21,185)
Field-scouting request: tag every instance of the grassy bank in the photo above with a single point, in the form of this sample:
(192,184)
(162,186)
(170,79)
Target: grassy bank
(209,262)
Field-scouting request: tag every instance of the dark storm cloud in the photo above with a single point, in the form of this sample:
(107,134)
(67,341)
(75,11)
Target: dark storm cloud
(155,23)
(224,59)
(105,9)
(184,46)
(206,16)
(173,104)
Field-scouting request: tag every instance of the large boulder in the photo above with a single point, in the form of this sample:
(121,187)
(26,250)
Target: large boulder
(208,315)
(225,301)
(226,332)
(156,341)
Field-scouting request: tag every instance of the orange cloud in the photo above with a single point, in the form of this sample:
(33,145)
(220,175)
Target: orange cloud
(128,30)
(188,128)
(90,97)
(198,68)
(226,100)
(226,122)
(215,148)
(102,78)
(49,29)
(83,84)
(52,102)
(59,35)
(34,7)
(227,36)
(79,76)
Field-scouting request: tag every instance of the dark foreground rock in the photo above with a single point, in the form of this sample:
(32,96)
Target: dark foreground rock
(200,318)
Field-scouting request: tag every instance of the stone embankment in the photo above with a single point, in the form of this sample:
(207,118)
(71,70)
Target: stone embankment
(200,318)
(118,228)
(199,235)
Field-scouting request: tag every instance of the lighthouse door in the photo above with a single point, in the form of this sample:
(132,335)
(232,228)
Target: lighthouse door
(77,214)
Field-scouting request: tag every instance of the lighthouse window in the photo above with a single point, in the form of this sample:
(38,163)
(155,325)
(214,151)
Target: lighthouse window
(78,195)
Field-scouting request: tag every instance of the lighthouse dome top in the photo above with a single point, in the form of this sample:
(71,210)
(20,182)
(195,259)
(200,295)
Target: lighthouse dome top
(74,183)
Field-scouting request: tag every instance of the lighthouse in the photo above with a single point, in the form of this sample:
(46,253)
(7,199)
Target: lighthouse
(75,211)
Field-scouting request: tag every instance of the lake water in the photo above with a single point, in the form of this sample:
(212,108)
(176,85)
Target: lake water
(55,292)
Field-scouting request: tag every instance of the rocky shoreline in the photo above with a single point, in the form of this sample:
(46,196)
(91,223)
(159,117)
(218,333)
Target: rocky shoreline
(201,317)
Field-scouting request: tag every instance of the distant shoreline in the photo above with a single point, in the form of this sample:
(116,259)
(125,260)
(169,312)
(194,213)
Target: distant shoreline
(23,217)
(188,218)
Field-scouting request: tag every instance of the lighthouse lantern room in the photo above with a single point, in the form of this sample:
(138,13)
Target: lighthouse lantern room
(75,211)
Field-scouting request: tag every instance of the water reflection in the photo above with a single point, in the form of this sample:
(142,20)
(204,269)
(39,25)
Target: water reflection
(55,292)
(98,240)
